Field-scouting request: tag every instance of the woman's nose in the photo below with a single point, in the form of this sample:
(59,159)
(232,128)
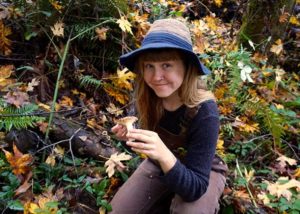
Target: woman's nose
(158,74)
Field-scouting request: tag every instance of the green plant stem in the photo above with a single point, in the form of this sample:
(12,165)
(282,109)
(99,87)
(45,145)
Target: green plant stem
(247,186)
(61,66)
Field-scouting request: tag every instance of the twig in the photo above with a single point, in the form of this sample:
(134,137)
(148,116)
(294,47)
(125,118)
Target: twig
(247,186)
(61,141)
(200,2)
(291,147)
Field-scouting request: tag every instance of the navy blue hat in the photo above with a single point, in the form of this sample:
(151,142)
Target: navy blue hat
(165,33)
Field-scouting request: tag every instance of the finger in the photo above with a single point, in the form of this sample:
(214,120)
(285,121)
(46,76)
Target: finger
(139,137)
(137,145)
(143,131)
(115,128)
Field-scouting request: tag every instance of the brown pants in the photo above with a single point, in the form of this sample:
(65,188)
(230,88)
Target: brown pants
(144,193)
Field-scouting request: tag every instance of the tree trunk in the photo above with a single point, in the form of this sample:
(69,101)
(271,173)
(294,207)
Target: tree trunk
(261,25)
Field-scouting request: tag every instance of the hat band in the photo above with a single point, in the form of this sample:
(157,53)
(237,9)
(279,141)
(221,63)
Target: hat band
(159,37)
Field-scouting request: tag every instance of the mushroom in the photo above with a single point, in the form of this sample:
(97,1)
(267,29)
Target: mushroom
(127,122)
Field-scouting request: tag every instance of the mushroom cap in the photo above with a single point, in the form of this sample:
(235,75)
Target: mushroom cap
(126,120)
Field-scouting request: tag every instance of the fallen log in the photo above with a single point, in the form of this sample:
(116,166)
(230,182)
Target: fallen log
(68,134)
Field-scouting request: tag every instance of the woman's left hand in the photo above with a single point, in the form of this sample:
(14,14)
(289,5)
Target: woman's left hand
(149,143)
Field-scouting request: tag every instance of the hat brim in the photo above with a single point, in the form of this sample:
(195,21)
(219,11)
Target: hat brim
(129,59)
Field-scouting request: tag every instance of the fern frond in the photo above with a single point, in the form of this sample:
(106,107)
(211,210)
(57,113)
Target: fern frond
(88,80)
(272,121)
(18,118)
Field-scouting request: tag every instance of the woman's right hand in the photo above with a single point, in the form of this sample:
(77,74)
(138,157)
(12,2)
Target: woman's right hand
(120,131)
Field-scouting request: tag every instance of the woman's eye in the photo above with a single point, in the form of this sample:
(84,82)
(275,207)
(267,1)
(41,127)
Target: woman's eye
(166,65)
(148,66)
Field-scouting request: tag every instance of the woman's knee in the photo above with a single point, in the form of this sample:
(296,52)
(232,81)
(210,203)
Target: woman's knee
(207,204)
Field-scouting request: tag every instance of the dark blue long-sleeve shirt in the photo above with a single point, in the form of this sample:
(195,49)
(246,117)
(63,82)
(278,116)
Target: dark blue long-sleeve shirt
(190,180)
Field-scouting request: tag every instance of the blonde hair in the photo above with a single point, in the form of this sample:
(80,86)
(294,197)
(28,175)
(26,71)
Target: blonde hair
(192,92)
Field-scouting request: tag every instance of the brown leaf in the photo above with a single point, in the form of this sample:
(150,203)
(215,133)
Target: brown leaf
(19,162)
(101,33)
(16,98)
(25,186)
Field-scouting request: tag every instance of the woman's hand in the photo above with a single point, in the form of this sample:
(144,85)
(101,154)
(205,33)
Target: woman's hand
(150,144)
(120,131)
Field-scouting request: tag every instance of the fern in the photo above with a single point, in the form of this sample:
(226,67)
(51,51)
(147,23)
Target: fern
(272,121)
(18,118)
(87,81)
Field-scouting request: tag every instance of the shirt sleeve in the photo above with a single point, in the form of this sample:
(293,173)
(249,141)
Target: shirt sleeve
(190,180)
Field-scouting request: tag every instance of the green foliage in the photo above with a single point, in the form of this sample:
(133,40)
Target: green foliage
(242,148)
(99,189)
(233,58)
(19,118)
(88,81)
(9,183)
(271,120)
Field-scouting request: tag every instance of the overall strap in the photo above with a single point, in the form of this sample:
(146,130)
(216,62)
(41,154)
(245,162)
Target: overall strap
(189,115)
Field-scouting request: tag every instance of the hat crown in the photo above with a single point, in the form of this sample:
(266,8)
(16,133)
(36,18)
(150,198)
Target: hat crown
(171,26)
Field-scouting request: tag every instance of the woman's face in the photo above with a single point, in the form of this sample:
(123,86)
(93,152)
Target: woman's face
(164,77)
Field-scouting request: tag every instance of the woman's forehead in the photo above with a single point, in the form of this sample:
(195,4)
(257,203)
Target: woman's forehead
(162,55)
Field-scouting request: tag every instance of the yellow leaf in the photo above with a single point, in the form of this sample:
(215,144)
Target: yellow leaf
(56,4)
(211,22)
(124,24)
(218,2)
(32,208)
(58,29)
(297,173)
(5,73)
(66,101)
(59,151)
(123,79)
(119,96)
(277,47)
(50,160)
(294,20)
(5,43)
(248,175)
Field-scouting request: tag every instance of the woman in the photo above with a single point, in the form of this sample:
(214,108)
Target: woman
(179,129)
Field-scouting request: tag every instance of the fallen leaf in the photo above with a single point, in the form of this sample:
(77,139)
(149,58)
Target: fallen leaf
(125,25)
(112,109)
(277,47)
(123,79)
(34,82)
(58,29)
(101,33)
(51,160)
(283,160)
(19,162)
(16,98)
(5,42)
(282,189)
(25,186)
(115,162)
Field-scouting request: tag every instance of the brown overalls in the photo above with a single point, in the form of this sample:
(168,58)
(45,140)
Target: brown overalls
(144,193)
